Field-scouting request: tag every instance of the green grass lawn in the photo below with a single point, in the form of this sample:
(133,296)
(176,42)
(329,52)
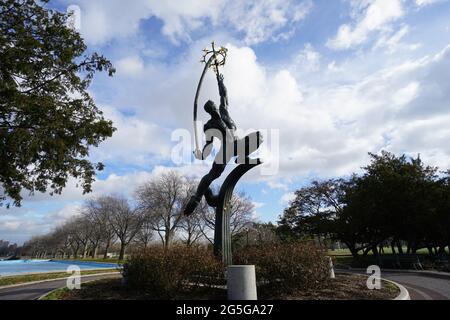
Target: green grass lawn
(10,280)
(99,260)
(343,258)
(57,294)
(387,250)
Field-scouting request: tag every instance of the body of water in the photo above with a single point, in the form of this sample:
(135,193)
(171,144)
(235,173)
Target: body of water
(18,267)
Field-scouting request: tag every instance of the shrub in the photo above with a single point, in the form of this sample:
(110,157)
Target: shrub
(168,273)
(288,267)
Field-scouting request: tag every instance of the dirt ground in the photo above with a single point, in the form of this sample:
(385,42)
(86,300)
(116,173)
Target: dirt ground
(344,287)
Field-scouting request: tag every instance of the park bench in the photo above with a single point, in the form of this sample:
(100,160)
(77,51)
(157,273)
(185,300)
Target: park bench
(400,261)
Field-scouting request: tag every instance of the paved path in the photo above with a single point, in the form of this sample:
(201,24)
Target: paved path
(34,291)
(422,287)
(419,286)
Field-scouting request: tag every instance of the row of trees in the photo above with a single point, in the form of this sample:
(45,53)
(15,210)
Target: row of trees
(396,201)
(8,249)
(155,214)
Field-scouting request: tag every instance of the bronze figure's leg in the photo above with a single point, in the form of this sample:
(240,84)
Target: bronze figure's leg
(203,187)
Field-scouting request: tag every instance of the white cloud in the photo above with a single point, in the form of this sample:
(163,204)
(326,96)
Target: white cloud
(370,16)
(19,224)
(104,20)
(262,19)
(59,217)
(308,59)
(287,198)
(136,141)
(258,205)
(423,3)
(392,42)
(130,66)
(255,20)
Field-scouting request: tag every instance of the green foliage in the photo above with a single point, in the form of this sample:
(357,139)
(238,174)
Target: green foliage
(168,273)
(48,121)
(286,267)
(396,201)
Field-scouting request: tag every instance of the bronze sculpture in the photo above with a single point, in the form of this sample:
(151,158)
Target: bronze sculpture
(222,127)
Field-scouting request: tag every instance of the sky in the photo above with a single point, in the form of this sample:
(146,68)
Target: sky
(327,81)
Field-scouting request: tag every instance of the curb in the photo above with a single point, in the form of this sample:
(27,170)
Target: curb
(55,279)
(404,294)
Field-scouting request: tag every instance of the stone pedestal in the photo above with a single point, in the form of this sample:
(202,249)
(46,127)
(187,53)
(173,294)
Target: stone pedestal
(330,261)
(241,283)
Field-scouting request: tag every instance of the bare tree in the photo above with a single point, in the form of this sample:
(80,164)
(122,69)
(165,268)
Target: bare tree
(91,210)
(124,220)
(163,198)
(97,211)
(145,233)
(240,217)
(192,229)
(83,230)
(75,242)
(61,241)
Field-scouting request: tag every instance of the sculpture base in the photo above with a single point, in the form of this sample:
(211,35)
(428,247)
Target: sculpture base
(241,283)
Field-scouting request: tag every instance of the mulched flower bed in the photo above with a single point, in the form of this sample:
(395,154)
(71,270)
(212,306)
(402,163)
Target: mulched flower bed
(344,287)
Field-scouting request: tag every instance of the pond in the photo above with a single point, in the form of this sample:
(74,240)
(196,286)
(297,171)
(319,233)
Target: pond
(19,267)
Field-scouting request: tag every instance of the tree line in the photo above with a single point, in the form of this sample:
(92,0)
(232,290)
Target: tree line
(8,249)
(155,214)
(396,202)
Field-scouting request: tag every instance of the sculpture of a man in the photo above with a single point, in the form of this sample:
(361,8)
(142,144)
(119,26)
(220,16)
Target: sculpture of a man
(221,127)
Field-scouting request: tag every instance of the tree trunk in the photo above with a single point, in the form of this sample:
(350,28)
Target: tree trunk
(408,248)
(105,255)
(375,250)
(122,251)
(393,247)
(167,239)
(366,251)
(399,247)
(94,252)
(75,252)
(352,249)
(85,251)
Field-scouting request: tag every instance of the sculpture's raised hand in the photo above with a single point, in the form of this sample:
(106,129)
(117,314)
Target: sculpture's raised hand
(198,154)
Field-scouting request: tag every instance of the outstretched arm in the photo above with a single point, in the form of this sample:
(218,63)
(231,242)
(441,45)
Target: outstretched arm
(222,91)
(224,104)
